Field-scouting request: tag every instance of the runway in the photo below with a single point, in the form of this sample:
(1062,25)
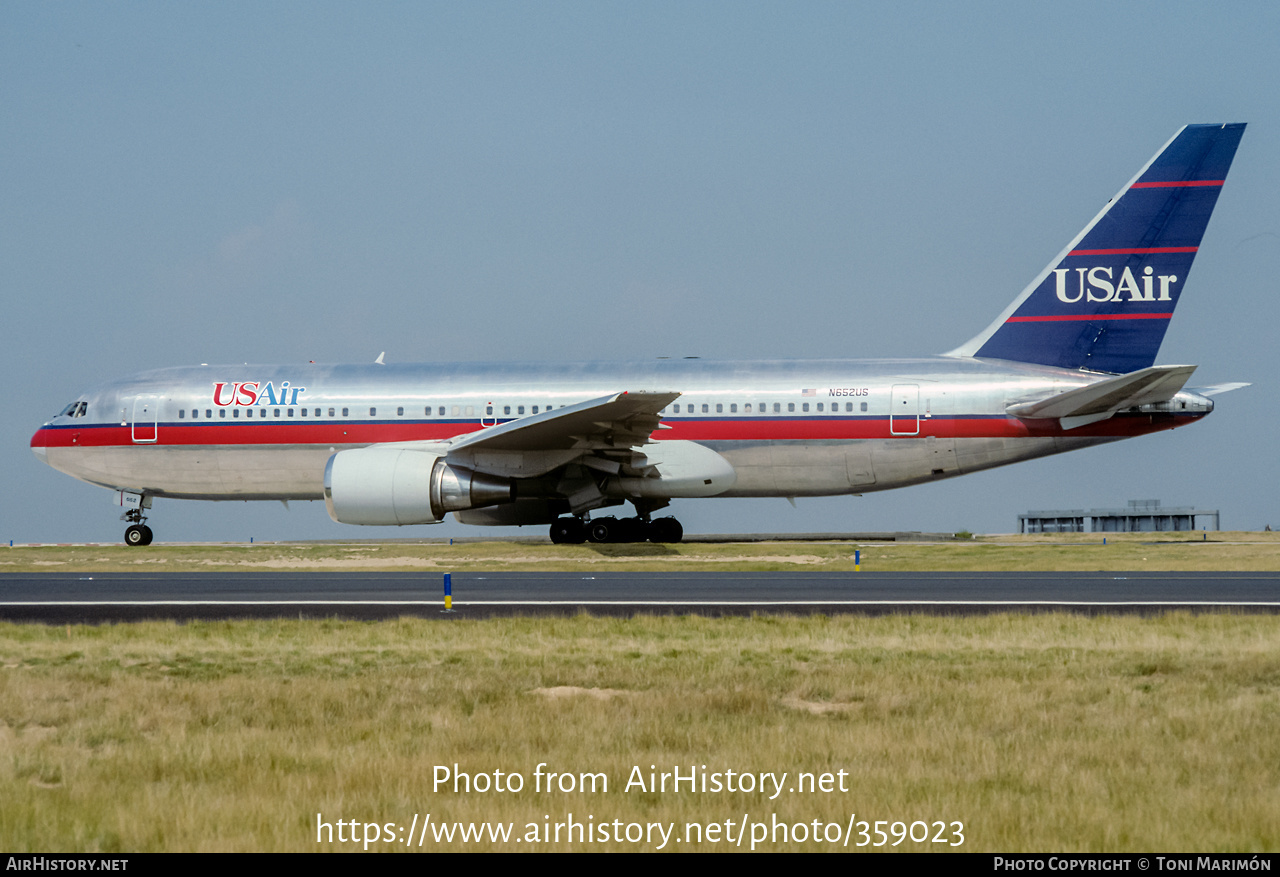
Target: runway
(97,598)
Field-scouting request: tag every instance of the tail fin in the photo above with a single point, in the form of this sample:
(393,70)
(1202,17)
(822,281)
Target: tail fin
(1105,302)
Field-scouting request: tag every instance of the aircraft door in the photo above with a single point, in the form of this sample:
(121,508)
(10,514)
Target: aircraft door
(904,410)
(144,428)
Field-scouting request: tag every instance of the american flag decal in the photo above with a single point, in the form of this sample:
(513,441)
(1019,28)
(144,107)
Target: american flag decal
(808,392)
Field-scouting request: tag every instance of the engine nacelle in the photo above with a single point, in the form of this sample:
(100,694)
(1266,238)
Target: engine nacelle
(396,486)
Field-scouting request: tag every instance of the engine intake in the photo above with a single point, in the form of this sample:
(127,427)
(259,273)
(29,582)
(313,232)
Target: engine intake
(397,486)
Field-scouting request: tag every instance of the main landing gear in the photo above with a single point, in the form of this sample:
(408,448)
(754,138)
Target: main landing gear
(567,531)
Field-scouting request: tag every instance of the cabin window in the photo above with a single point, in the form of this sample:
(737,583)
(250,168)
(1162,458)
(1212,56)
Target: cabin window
(506,410)
(275,412)
(791,406)
(373,412)
(488,411)
(864,406)
(195,413)
(440,411)
(456,410)
(733,408)
(819,406)
(804,406)
(222,412)
(719,408)
(535,409)
(400,411)
(289,412)
(519,409)
(182,413)
(706,409)
(777,407)
(208,414)
(746,409)
(471,411)
(330,412)
(302,411)
(676,408)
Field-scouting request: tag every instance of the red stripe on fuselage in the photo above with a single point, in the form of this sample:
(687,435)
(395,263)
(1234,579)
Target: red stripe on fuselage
(258,434)
(741,429)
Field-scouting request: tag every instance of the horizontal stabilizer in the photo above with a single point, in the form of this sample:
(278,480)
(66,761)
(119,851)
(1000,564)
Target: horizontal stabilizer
(1216,389)
(1102,399)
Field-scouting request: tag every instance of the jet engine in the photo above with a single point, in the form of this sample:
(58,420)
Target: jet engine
(393,486)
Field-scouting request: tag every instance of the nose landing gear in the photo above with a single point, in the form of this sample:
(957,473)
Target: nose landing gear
(138,534)
(135,505)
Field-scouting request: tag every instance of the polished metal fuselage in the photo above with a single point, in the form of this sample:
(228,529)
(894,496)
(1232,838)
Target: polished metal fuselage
(788,427)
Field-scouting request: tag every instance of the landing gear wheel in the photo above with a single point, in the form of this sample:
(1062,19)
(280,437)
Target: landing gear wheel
(665,530)
(619,530)
(138,534)
(602,530)
(631,530)
(568,531)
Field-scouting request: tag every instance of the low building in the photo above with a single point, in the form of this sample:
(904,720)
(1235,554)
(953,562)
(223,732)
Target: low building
(1140,516)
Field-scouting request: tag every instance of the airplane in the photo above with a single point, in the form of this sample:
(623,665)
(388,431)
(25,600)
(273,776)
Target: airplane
(1069,364)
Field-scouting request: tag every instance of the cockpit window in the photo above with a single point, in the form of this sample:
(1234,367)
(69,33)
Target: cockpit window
(75,409)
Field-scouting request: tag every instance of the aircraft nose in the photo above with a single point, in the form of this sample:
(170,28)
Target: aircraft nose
(38,446)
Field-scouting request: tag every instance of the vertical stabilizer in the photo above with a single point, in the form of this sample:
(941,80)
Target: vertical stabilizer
(1105,302)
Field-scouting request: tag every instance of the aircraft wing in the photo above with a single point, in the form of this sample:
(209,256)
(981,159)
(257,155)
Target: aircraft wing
(620,421)
(601,433)
(1101,400)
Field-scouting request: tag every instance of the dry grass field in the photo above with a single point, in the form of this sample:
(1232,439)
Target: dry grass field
(1051,732)
(1046,732)
(1150,551)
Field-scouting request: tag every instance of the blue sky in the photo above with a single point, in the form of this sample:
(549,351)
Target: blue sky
(284,182)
